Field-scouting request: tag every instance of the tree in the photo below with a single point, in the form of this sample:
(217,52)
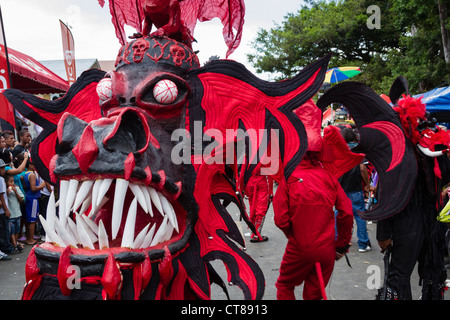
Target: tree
(408,42)
(445,32)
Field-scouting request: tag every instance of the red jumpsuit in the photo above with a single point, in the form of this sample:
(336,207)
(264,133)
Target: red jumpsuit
(257,190)
(303,208)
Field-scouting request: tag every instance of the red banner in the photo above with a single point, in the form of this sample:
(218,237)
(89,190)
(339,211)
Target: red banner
(6,109)
(69,53)
(4,66)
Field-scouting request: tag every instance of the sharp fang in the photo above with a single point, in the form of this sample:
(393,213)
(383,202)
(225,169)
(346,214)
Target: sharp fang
(82,193)
(86,227)
(83,234)
(86,204)
(119,198)
(51,214)
(174,217)
(148,201)
(140,237)
(63,188)
(73,228)
(51,233)
(104,187)
(139,196)
(128,232)
(97,208)
(168,210)
(148,238)
(95,190)
(155,199)
(168,233)
(65,235)
(102,236)
(90,223)
(159,236)
(71,193)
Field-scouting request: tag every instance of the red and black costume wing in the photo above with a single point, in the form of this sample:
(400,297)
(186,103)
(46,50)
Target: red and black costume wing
(225,95)
(81,100)
(383,141)
(233,98)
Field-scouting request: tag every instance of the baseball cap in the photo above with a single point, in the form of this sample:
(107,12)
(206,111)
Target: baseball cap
(2,163)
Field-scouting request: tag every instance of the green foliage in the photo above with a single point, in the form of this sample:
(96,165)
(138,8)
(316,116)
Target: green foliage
(408,43)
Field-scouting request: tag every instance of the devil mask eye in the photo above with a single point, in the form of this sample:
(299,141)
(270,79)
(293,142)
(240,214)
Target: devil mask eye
(104,89)
(165,91)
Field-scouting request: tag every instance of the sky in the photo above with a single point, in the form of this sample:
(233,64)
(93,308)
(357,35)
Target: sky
(32,27)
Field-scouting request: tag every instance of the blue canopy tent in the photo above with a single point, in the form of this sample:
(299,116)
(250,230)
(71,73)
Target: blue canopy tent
(437,103)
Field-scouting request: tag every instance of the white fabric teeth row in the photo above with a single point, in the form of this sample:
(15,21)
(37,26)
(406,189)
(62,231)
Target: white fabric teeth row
(63,231)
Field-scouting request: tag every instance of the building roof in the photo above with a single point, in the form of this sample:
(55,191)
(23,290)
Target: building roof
(107,65)
(58,67)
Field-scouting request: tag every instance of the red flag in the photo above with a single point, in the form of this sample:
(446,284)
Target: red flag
(69,53)
(6,109)
(5,82)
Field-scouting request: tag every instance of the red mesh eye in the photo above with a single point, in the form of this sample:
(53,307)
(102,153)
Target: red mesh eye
(104,89)
(165,91)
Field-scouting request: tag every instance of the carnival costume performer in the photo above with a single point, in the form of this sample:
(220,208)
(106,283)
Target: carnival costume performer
(407,229)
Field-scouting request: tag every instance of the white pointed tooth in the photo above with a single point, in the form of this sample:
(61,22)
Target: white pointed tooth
(95,190)
(85,205)
(103,242)
(51,233)
(82,193)
(140,237)
(90,223)
(70,231)
(174,215)
(168,233)
(148,201)
(169,211)
(71,194)
(155,199)
(65,235)
(104,187)
(97,208)
(73,227)
(159,236)
(51,214)
(128,231)
(85,240)
(63,189)
(139,196)
(86,227)
(119,198)
(149,237)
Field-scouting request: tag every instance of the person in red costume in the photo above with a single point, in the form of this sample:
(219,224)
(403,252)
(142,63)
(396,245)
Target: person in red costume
(303,208)
(258,190)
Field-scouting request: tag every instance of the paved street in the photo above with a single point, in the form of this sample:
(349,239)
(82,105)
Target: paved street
(346,283)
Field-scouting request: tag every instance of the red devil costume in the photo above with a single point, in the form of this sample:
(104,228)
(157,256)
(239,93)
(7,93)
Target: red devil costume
(257,190)
(304,210)
(409,153)
(132,223)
